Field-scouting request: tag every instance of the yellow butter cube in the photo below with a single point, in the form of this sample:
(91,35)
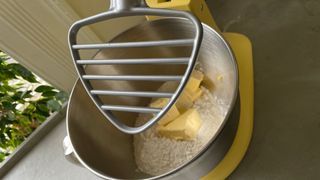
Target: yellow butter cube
(191,92)
(194,81)
(196,94)
(187,99)
(185,127)
(170,115)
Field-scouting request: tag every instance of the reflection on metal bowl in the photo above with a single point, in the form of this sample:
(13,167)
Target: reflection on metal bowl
(106,151)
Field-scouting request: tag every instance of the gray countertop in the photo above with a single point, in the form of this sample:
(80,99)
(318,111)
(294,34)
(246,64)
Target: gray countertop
(286,49)
(47,162)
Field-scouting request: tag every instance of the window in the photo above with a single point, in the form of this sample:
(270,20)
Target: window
(25,103)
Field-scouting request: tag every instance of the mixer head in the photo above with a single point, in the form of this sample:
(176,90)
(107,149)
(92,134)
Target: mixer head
(126,8)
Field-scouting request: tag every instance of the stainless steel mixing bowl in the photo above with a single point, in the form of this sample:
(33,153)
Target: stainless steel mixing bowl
(106,151)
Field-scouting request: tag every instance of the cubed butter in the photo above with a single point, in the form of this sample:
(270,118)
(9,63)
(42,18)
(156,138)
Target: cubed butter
(185,127)
(194,81)
(196,94)
(187,98)
(191,92)
(184,102)
(170,115)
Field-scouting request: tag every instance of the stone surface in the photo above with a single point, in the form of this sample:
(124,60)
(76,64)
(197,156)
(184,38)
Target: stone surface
(286,39)
(47,162)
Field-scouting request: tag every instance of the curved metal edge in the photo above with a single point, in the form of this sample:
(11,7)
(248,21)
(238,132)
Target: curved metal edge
(69,151)
(126,4)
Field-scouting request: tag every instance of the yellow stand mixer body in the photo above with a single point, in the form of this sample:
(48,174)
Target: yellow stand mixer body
(242,49)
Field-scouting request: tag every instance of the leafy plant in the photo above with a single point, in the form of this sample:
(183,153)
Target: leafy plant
(25,102)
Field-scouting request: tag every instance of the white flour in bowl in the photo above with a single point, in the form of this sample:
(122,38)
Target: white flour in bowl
(156,155)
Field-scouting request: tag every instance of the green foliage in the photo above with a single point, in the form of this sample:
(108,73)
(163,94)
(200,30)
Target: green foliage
(21,112)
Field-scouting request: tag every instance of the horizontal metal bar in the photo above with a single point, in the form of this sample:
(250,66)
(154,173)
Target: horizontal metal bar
(132,93)
(183,60)
(130,109)
(132,77)
(175,42)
